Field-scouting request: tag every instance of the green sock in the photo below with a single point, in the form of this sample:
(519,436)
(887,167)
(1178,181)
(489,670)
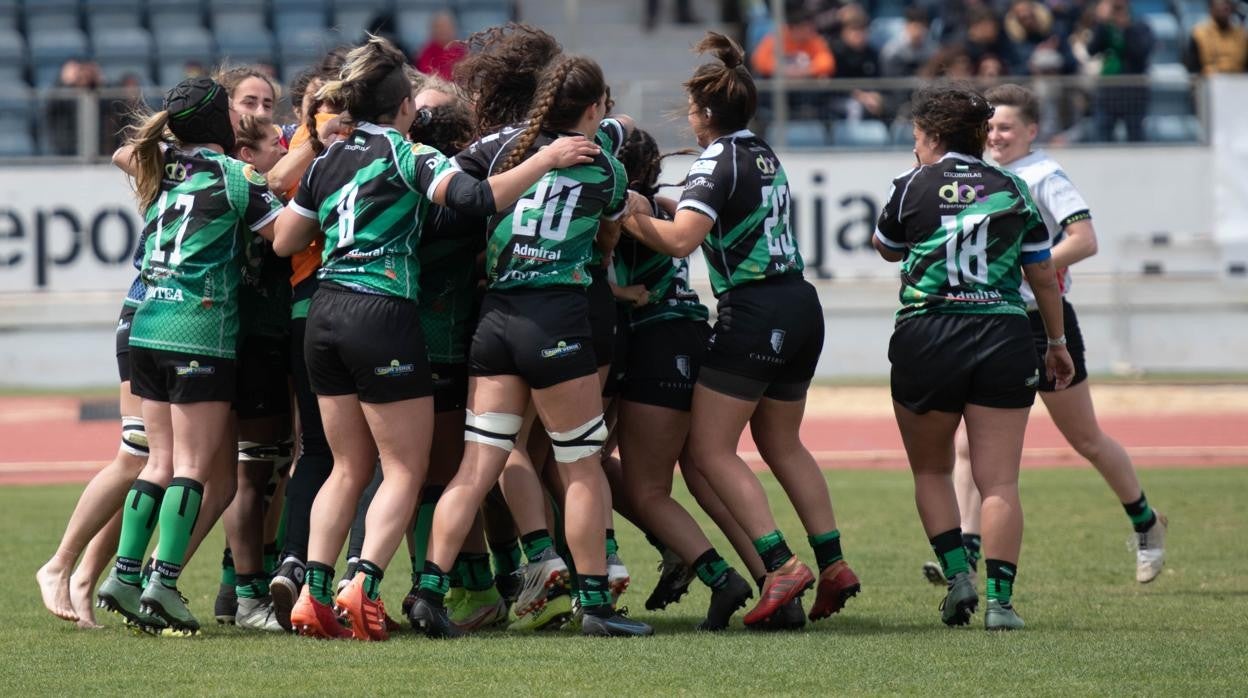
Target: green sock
(178,513)
(252,586)
(613,547)
(711,569)
(536,543)
(594,594)
(456,576)
(320,581)
(1001,576)
(774,551)
(476,571)
(1141,514)
(950,552)
(827,548)
(372,578)
(138,522)
(229,575)
(506,557)
(434,583)
(972,543)
(423,526)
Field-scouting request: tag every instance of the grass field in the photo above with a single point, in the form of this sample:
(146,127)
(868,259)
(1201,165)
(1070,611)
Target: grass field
(1091,628)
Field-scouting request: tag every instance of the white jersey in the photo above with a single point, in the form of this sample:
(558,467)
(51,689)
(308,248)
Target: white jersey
(1059,202)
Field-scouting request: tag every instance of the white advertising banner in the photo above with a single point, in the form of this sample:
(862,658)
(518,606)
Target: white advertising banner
(75,228)
(1228,97)
(66,228)
(1134,193)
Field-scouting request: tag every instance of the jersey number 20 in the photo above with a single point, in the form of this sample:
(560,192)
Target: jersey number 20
(547,195)
(966,249)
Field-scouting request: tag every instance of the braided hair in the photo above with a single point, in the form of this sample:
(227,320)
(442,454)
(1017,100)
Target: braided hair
(503,70)
(568,87)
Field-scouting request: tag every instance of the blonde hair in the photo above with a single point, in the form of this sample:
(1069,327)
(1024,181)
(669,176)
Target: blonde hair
(144,138)
(372,84)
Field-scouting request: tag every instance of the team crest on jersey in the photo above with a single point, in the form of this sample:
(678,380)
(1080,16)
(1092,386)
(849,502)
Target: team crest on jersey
(765,165)
(394,369)
(682,365)
(253,177)
(702,167)
(177,171)
(777,340)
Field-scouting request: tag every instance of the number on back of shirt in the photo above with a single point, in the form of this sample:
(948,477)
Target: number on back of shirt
(781,245)
(553,222)
(346,216)
(170,248)
(966,249)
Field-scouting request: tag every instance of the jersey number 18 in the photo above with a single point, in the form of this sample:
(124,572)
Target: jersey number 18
(966,249)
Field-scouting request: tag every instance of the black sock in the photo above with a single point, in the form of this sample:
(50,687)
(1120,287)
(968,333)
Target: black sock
(594,594)
(950,552)
(972,542)
(1141,514)
(1001,576)
(372,578)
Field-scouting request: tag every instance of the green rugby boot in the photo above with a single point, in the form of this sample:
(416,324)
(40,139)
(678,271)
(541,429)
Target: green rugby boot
(478,609)
(168,604)
(123,599)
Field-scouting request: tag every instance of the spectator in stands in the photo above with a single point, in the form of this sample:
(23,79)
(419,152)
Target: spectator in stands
(806,54)
(950,62)
(907,52)
(193,69)
(443,51)
(61,117)
(1124,46)
(855,58)
(1219,44)
(985,38)
(1029,28)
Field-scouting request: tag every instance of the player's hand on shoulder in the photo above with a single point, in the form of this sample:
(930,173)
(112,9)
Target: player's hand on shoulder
(571,150)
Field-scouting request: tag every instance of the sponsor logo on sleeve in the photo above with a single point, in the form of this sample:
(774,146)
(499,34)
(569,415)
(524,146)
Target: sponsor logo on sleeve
(765,165)
(702,167)
(699,182)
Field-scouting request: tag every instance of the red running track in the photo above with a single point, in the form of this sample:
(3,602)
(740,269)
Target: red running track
(42,441)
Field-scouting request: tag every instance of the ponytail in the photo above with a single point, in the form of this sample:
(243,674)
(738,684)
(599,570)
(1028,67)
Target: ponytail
(145,139)
(724,90)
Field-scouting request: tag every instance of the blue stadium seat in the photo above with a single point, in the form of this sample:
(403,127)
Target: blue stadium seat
(413,27)
(47,15)
(302,49)
(902,133)
(428,5)
(102,15)
(291,22)
(350,19)
(134,42)
(10,13)
(16,144)
(800,134)
(1149,7)
(1172,129)
(115,70)
(170,15)
(1166,33)
(185,43)
(12,57)
(474,19)
(16,102)
(883,29)
(859,134)
(50,49)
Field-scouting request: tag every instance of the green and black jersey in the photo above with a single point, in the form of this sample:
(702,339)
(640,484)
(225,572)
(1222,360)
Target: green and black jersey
(610,137)
(967,228)
(448,253)
(547,236)
(191,256)
(665,277)
(739,184)
(264,296)
(370,192)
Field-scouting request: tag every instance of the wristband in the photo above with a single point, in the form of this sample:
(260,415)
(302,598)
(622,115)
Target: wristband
(1057,342)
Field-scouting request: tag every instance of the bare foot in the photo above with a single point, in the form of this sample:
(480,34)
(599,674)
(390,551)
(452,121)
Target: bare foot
(54,587)
(81,597)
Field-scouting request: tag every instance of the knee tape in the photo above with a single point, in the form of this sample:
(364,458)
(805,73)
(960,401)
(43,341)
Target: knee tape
(581,442)
(278,455)
(133,436)
(496,429)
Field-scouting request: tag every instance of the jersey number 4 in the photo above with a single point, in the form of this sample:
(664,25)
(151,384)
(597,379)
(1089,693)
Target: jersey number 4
(171,247)
(546,197)
(966,249)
